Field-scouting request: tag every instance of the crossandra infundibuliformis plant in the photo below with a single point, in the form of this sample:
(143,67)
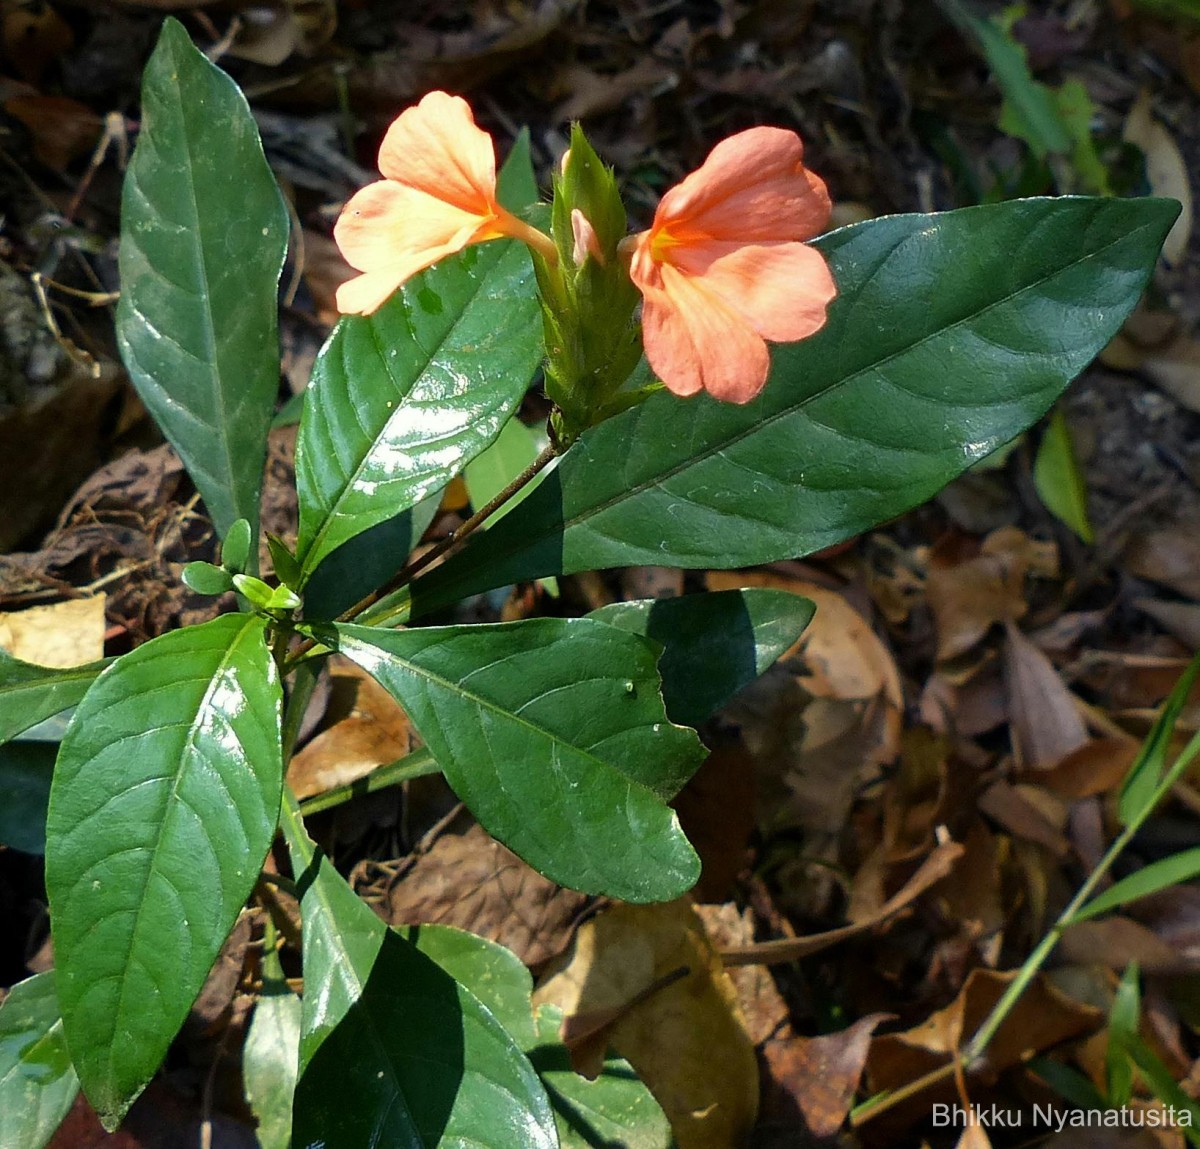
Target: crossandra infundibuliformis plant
(908,348)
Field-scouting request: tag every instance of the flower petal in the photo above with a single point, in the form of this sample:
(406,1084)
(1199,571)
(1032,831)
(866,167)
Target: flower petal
(436,147)
(365,294)
(694,341)
(752,187)
(781,290)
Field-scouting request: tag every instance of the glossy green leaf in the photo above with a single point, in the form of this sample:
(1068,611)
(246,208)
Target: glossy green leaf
(395,1054)
(204,578)
(713,644)
(30,694)
(952,334)
(235,549)
(400,400)
(203,236)
(554,734)
(271,1056)
(37,1081)
(1150,879)
(1144,778)
(615,1109)
(164,802)
(1058,479)
(26,770)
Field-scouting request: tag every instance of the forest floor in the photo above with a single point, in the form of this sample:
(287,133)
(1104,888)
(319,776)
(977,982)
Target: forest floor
(976,670)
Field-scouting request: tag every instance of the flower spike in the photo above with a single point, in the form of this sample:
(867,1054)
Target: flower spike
(724,266)
(438,195)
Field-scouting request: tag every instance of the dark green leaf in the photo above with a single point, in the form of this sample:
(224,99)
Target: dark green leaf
(395,1054)
(402,399)
(367,561)
(26,769)
(951,335)
(287,570)
(713,644)
(1142,782)
(271,1056)
(203,235)
(30,694)
(37,1081)
(516,184)
(204,578)
(615,1109)
(1160,875)
(165,799)
(554,734)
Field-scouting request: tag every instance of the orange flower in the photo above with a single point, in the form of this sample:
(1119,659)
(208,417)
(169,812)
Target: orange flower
(723,269)
(438,196)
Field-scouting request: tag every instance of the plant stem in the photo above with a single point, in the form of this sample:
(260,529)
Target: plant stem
(408,572)
(415,765)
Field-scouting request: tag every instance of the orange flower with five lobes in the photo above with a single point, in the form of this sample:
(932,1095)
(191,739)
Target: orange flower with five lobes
(723,267)
(438,196)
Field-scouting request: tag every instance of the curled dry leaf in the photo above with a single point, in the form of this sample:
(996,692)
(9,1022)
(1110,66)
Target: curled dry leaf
(1166,170)
(687,1040)
(1116,941)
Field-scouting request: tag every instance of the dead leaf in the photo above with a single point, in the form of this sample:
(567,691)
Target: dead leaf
(1012,809)
(68,633)
(62,129)
(1166,170)
(820,1075)
(651,582)
(471,881)
(365,729)
(932,870)
(1182,619)
(1169,555)
(1116,941)
(687,1041)
(1046,723)
(1096,767)
(1042,1018)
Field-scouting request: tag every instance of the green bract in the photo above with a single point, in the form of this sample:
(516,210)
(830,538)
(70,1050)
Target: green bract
(565,737)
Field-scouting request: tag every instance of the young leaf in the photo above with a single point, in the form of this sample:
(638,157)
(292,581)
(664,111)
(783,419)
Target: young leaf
(164,802)
(1058,479)
(271,1056)
(30,694)
(395,1054)
(204,578)
(1160,875)
(1124,1018)
(203,235)
(235,550)
(402,399)
(615,1109)
(37,1081)
(553,732)
(26,770)
(1142,781)
(713,644)
(952,333)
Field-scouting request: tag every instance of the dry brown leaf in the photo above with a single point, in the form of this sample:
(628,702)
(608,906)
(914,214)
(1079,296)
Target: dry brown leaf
(1181,619)
(365,729)
(62,129)
(651,582)
(67,633)
(1116,941)
(1095,768)
(1013,810)
(762,1004)
(1175,369)
(932,870)
(593,93)
(470,880)
(686,1041)
(1042,1018)
(819,1075)
(1166,170)
(1046,723)
(1168,555)
(969,598)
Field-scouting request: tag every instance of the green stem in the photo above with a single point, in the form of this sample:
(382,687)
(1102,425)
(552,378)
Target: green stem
(415,765)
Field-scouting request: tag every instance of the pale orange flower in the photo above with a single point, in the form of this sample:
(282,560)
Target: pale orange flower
(438,196)
(723,267)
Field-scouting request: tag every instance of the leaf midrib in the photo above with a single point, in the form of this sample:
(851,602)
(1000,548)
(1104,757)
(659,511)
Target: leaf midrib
(332,511)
